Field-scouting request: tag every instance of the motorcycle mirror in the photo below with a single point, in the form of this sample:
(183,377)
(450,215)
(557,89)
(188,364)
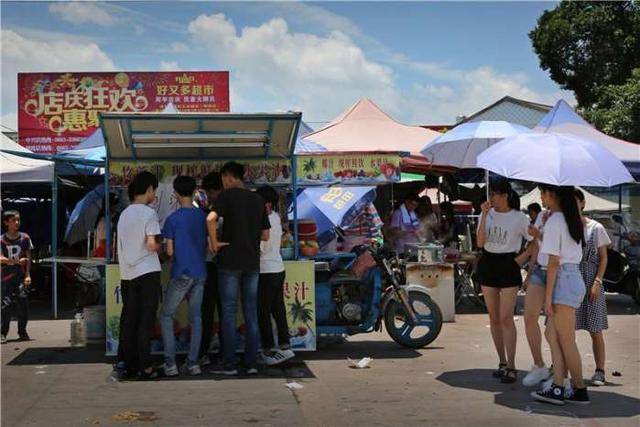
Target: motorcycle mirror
(617,219)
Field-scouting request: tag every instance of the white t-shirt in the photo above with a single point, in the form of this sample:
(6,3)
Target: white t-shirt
(270,258)
(601,238)
(137,222)
(505,231)
(556,240)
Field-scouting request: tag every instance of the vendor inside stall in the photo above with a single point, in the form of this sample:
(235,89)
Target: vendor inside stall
(405,225)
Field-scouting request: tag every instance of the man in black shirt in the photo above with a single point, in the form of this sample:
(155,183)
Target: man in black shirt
(245,223)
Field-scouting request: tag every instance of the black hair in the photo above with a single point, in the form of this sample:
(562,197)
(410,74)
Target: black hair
(234,169)
(141,182)
(7,215)
(412,197)
(502,186)
(446,208)
(569,206)
(130,192)
(425,207)
(212,181)
(184,185)
(269,195)
(534,207)
(579,194)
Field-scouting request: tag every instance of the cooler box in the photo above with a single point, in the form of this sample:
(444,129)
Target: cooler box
(438,278)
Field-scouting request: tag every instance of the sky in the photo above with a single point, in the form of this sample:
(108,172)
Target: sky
(423,63)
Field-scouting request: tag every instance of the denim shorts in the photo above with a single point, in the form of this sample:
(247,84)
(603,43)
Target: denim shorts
(569,288)
(539,277)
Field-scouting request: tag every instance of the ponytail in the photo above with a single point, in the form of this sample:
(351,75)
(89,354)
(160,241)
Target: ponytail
(569,206)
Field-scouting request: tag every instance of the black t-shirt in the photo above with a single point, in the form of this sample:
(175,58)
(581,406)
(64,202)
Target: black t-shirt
(244,217)
(14,249)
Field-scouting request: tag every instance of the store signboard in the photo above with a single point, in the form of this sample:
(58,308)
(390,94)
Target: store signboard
(56,111)
(352,169)
(299,298)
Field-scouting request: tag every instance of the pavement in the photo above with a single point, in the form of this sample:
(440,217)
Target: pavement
(449,383)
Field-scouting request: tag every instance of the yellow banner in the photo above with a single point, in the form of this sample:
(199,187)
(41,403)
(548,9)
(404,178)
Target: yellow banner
(348,169)
(258,172)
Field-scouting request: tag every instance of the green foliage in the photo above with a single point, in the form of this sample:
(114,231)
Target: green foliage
(617,111)
(301,312)
(588,45)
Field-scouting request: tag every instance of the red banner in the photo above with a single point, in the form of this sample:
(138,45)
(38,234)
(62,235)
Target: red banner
(56,111)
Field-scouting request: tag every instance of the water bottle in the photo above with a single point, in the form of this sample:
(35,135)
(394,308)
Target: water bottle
(78,335)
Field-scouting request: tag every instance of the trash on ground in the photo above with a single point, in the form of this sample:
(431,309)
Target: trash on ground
(360,364)
(129,416)
(294,385)
(40,372)
(429,372)
(616,374)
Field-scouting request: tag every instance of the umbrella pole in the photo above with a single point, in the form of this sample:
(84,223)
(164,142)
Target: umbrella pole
(620,198)
(54,238)
(486,182)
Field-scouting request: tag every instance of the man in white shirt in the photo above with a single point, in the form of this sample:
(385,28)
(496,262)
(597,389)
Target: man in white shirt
(138,247)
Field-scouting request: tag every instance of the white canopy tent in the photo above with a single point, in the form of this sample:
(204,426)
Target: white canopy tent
(593,203)
(17,169)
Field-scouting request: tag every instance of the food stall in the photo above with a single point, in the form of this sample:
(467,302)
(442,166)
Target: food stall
(195,144)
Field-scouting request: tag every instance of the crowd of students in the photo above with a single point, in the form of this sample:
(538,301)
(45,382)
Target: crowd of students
(228,247)
(565,255)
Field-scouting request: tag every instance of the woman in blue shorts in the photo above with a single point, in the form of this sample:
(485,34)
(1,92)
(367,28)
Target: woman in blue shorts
(564,291)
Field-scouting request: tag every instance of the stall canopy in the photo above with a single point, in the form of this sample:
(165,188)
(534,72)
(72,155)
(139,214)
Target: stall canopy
(18,169)
(562,119)
(364,127)
(593,203)
(175,136)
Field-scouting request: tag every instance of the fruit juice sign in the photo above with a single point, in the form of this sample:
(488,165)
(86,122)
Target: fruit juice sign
(364,169)
(299,295)
(56,111)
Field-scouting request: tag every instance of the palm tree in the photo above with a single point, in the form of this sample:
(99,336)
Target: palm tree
(302,312)
(309,165)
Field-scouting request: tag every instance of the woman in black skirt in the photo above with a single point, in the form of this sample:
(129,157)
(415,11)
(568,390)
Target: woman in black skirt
(500,233)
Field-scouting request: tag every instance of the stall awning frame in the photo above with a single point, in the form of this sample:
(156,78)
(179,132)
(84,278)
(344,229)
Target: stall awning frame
(189,136)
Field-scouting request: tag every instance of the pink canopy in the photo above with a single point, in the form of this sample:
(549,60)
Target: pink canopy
(364,127)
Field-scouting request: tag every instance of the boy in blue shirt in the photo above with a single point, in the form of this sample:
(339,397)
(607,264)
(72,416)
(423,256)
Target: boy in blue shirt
(185,232)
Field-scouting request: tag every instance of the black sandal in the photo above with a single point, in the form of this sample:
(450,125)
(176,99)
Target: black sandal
(500,372)
(510,376)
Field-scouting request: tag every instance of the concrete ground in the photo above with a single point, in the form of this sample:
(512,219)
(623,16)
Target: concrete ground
(447,384)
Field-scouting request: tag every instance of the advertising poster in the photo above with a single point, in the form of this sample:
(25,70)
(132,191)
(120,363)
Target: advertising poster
(299,295)
(56,111)
(356,169)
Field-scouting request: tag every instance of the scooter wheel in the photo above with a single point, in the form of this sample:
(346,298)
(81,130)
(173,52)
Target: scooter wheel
(406,334)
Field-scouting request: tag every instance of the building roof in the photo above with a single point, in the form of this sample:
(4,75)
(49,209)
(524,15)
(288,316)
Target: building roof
(512,110)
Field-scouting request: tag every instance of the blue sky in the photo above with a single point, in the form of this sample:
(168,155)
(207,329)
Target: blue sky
(421,62)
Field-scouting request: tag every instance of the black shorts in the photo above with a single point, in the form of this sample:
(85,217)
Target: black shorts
(498,270)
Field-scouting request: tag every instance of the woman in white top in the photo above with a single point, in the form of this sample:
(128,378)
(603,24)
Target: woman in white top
(564,290)
(501,231)
(270,287)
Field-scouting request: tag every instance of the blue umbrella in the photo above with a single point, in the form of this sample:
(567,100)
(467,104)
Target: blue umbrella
(84,216)
(332,207)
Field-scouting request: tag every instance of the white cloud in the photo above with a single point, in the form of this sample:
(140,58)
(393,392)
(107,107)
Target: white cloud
(178,47)
(83,12)
(169,66)
(318,75)
(31,54)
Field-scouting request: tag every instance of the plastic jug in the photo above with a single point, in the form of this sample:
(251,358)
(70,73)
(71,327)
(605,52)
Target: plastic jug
(78,334)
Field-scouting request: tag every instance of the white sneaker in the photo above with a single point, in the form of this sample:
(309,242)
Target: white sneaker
(535,376)
(3,339)
(192,370)
(170,371)
(277,357)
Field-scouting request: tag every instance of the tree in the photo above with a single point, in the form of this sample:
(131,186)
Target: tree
(586,46)
(617,111)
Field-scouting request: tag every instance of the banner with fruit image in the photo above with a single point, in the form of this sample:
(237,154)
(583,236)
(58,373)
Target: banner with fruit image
(358,169)
(299,291)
